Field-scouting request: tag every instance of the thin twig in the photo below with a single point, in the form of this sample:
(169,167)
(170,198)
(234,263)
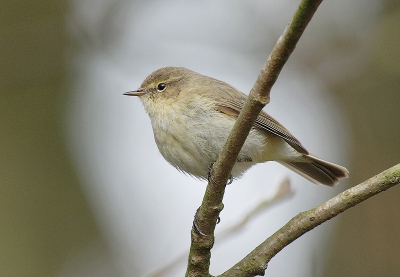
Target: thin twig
(284,191)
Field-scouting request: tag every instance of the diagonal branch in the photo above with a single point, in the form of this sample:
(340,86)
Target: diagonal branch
(199,257)
(256,262)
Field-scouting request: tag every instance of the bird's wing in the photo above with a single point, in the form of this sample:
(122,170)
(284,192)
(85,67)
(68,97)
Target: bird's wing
(263,122)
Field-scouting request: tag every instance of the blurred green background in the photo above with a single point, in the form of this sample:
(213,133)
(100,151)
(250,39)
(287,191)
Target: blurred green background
(45,219)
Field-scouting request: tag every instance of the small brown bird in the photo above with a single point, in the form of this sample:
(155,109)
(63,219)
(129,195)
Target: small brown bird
(192,116)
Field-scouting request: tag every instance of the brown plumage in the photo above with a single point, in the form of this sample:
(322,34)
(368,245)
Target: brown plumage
(192,115)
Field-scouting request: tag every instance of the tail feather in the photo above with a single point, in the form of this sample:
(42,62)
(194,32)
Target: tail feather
(318,171)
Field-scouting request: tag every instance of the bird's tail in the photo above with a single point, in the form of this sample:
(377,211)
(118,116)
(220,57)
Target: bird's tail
(318,171)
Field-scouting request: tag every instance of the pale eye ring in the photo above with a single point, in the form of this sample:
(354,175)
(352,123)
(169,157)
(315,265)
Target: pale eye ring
(161,87)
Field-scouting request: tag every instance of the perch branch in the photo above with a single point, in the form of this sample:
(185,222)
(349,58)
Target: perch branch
(200,250)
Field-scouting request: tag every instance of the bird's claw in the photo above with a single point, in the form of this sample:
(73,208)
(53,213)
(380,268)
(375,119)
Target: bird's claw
(211,177)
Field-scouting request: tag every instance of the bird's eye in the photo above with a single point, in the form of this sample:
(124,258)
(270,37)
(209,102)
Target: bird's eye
(161,87)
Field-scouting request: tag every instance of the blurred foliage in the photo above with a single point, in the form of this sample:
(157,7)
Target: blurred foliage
(367,241)
(45,219)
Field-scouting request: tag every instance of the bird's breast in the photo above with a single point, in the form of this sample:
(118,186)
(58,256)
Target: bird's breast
(191,137)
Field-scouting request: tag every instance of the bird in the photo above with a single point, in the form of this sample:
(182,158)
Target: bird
(193,114)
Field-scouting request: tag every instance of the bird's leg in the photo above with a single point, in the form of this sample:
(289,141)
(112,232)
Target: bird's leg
(211,178)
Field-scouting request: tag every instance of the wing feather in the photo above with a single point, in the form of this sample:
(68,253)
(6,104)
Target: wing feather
(264,122)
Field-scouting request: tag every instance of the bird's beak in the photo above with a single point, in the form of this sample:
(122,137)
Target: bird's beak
(138,92)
